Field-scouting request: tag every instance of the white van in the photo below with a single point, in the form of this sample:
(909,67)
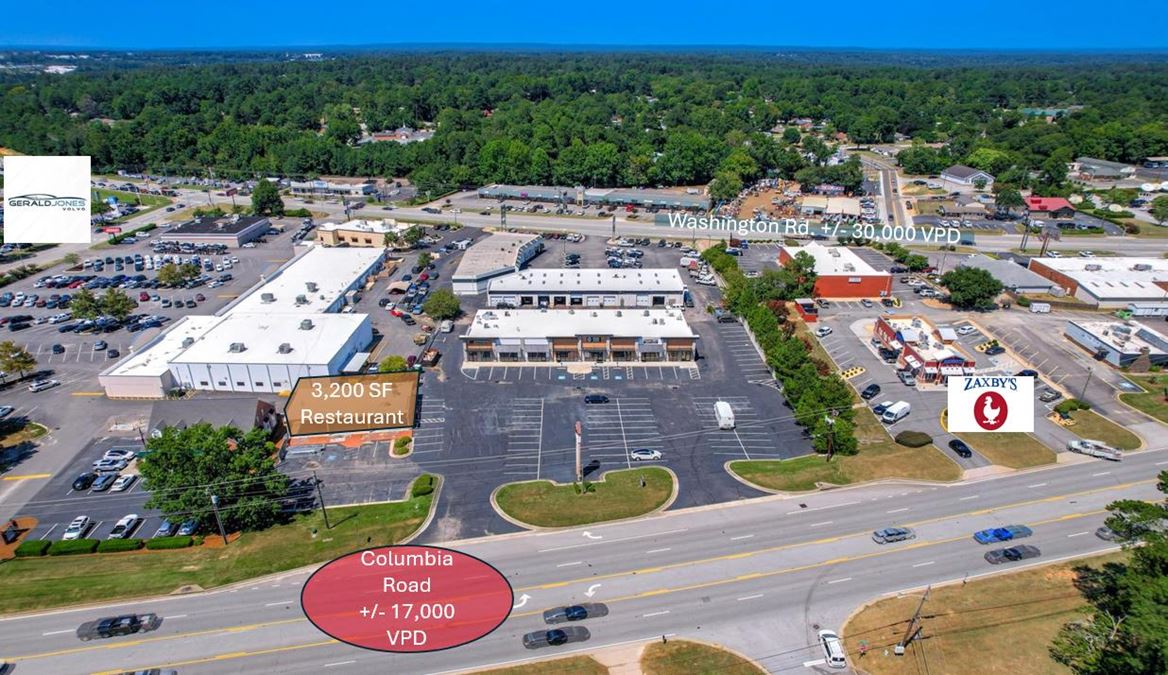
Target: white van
(896,412)
(833,650)
(724,414)
(446,326)
(1040,307)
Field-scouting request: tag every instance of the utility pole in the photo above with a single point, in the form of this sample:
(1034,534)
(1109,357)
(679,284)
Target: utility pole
(320,495)
(1083,392)
(218,520)
(579,444)
(914,626)
(830,436)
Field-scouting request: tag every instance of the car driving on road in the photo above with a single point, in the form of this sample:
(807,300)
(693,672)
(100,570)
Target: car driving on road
(1007,533)
(562,614)
(891,535)
(1012,554)
(544,638)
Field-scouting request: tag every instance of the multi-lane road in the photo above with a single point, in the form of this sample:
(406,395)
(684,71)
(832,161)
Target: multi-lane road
(758,576)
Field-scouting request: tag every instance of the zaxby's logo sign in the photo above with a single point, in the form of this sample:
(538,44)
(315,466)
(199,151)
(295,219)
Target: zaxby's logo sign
(46,200)
(980,404)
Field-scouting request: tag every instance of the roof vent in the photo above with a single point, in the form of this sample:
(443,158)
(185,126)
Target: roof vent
(285,348)
(187,342)
(302,299)
(618,313)
(594,314)
(646,312)
(306,324)
(267,298)
(237,347)
(311,286)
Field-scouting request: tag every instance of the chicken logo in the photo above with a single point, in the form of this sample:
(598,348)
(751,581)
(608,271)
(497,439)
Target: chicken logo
(990,411)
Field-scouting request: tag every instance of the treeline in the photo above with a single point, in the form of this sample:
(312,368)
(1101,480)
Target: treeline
(598,119)
(819,397)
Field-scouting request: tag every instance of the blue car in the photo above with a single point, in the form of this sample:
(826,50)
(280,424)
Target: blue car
(1007,533)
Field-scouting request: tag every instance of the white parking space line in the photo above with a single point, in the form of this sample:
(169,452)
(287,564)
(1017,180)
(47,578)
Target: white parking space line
(925,564)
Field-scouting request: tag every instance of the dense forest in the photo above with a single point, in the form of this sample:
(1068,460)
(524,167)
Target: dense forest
(568,118)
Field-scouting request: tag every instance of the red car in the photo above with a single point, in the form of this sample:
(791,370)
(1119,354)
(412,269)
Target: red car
(143,296)
(395,312)
(423,276)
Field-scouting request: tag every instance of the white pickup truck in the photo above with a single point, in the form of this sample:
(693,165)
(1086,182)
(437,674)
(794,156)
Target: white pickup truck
(1095,449)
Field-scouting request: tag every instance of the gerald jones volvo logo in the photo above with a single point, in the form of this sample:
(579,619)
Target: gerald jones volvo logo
(47,200)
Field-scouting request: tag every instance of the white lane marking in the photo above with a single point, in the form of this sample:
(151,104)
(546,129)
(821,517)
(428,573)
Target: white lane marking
(58,632)
(925,564)
(659,550)
(1037,485)
(273,604)
(338,663)
(1102,473)
(812,664)
(897,510)
(175,616)
(1161,463)
(826,522)
(571,564)
(1077,534)
(646,616)
(50,531)
(611,541)
(745,536)
(820,508)
(839,581)
(965,499)
(750,597)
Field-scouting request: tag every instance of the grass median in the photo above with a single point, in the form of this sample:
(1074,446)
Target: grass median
(38,583)
(1090,424)
(998,624)
(619,494)
(1153,400)
(575,665)
(1015,450)
(879,457)
(682,657)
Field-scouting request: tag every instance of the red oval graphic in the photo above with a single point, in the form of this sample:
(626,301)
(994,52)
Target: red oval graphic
(990,411)
(407,598)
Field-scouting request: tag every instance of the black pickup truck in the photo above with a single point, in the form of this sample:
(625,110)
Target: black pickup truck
(113,626)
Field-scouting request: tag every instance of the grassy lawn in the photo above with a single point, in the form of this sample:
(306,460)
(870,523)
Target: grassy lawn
(575,665)
(617,495)
(13,435)
(879,457)
(1090,424)
(147,204)
(1152,401)
(37,583)
(682,657)
(1013,449)
(996,625)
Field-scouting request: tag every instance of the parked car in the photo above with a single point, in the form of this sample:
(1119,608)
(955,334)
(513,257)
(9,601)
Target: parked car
(958,446)
(866,302)
(870,391)
(644,454)
(881,407)
(109,465)
(906,378)
(823,304)
(596,398)
(1049,395)
(123,482)
(966,330)
(891,535)
(1012,554)
(823,331)
(76,529)
(1026,372)
(83,481)
(995,350)
(125,527)
(100,345)
(104,481)
(188,528)
(41,385)
(166,529)
(997,534)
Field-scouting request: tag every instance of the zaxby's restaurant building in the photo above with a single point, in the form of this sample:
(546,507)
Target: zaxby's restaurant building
(929,353)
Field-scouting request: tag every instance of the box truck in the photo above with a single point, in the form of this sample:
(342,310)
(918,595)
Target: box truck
(1040,307)
(724,414)
(896,412)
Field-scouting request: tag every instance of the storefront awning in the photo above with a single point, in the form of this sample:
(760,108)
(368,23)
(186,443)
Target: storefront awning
(930,370)
(910,360)
(952,370)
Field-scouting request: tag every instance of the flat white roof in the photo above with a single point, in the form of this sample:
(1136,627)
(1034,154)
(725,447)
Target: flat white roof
(331,269)
(835,260)
(663,280)
(548,323)
(491,255)
(1126,338)
(262,334)
(923,336)
(371,226)
(154,360)
(1115,278)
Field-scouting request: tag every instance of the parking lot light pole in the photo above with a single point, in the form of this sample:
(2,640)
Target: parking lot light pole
(218,520)
(1083,393)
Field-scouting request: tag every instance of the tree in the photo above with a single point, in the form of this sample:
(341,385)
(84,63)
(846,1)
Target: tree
(442,304)
(265,199)
(915,262)
(792,135)
(424,258)
(413,235)
(980,183)
(71,259)
(795,279)
(391,240)
(14,358)
(186,466)
(174,275)
(971,288)
(392,364)
(117,304)
(725,186)
(85,305)
(1125,629)
(1009,198)
(1159,209)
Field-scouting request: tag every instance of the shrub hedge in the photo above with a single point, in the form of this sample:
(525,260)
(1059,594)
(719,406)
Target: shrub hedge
(74,547)
(119,545)
(32,548)
(913,439)
(162,543)
(423,486)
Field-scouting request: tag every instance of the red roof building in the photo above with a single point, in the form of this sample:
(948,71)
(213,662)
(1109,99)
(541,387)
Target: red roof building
(1050,207)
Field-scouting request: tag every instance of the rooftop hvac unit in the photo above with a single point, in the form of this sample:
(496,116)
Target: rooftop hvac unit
(306,324)
(285,348)
(1142,267)
(1093,267)
(834,252)
(237,347)
(302,299)
(187,342)
(849,267)
(267,298)
(646,312)
(618,313)
(594,314)
(311,286)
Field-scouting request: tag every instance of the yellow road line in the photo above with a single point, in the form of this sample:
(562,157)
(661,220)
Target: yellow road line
(28,476)
(232,655)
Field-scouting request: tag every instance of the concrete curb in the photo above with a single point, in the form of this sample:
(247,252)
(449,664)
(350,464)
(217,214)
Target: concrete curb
(787,494)
(539,528)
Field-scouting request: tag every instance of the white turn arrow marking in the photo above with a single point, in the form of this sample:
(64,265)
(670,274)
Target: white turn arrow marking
(591,590)
(589,535)
(522,601)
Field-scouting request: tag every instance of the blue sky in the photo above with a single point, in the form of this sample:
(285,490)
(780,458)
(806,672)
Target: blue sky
(887,24)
